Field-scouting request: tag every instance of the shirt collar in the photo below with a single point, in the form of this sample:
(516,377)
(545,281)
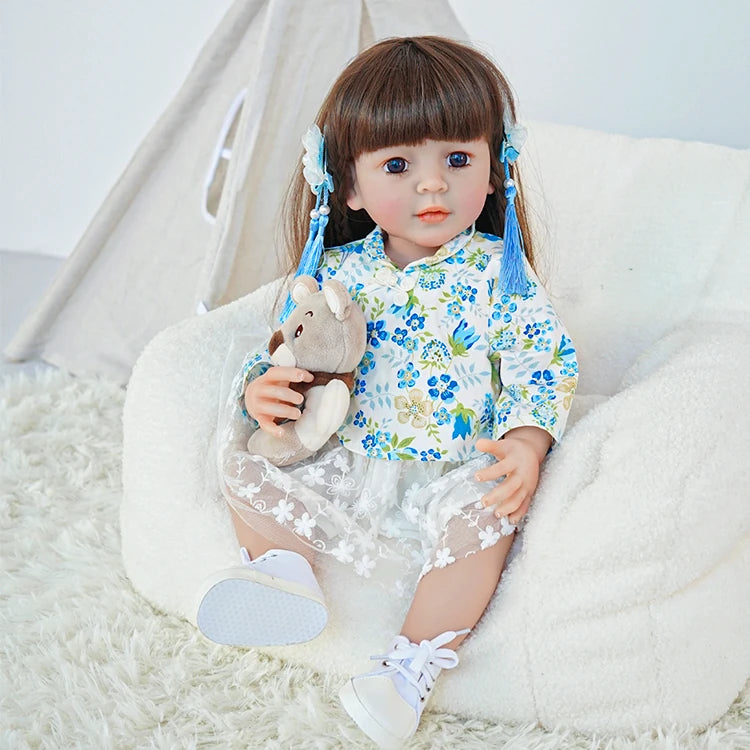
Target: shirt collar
(375,246)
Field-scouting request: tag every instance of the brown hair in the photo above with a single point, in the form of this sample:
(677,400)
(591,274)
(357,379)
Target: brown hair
(403,91)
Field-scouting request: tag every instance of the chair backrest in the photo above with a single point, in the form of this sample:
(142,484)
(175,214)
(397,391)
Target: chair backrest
(636,236)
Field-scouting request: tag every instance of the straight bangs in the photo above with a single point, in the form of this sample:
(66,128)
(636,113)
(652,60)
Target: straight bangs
(412,92)
(410,107)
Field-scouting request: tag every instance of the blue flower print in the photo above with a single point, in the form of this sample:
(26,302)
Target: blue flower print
(479,260)
(464,293)
(565,355)
(462,338)
(545,414)
(542,377)
(435,354)
(459,258)
(543,345)
(502,412)
(406,376)
(369,443)
(506,340)
(430,455)
(432,280)
(542,395)
(399,336)
(514,391)
(359,419)
(411,345)
(375,443)
(537,329)
(488,406)
(442,387)
(455,309)
(569,369)
(376,333)
(367,363)
(383,439)
(415,322)
(504,309)
(360,386)
(442,416)
(462,425)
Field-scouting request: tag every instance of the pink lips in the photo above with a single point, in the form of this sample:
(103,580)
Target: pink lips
(433,215)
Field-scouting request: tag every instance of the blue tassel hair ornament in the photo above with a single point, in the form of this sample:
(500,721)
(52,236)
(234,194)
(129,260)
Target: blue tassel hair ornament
(513,279)
(315,170)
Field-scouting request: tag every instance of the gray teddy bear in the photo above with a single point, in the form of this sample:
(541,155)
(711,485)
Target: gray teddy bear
(326,334)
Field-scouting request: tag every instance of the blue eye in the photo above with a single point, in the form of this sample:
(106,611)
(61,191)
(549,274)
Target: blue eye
(395,166)
(459,159)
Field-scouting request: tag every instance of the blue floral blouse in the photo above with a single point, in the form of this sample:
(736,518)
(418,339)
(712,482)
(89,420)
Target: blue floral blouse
(449,358)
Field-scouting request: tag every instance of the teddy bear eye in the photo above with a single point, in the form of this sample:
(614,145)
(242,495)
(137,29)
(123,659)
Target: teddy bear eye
(298,332)
(310,313)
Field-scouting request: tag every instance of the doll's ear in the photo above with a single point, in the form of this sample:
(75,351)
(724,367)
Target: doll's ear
(303,287)
(337,298)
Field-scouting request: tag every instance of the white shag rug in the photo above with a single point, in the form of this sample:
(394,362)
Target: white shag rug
(87,663)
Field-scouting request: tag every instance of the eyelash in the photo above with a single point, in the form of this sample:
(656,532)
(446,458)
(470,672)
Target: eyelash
(450,166)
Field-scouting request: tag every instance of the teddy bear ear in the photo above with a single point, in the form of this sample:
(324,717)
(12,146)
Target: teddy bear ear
(337,298)
(303,287)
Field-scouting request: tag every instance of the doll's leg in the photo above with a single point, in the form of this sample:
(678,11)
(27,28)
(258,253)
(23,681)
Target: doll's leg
(257,544)
(455,597)
(387,702)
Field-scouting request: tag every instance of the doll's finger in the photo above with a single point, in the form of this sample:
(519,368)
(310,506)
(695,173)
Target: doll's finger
(493,447)
(280,409)
(280,393)
(282,374)
(496,471)
(511,506)
(499,495)
(268,425)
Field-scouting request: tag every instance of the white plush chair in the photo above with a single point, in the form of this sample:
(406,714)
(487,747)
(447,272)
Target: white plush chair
(627,603)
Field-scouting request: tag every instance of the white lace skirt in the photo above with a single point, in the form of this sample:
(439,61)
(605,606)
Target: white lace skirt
(390,520)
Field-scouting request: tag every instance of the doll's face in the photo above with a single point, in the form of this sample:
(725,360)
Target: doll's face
(423,195)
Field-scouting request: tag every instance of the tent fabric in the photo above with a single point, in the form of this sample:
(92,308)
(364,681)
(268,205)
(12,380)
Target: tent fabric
(191,223)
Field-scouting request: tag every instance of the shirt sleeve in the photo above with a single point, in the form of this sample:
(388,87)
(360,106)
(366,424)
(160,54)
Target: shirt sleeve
(537,362)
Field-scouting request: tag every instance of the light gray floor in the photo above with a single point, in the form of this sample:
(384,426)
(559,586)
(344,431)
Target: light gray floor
(24,277)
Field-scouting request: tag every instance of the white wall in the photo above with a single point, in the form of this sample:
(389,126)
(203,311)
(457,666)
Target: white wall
(81,84)
(83,81)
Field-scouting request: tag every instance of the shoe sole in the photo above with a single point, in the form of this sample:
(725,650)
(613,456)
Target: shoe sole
(365,722)
(253,609)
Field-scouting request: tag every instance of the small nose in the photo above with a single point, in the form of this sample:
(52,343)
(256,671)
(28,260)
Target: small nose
(431,182)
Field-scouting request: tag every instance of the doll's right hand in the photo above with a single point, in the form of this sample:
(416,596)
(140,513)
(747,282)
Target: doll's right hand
(269,396)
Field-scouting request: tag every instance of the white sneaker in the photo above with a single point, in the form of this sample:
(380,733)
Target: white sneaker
(387,703)
(272,601)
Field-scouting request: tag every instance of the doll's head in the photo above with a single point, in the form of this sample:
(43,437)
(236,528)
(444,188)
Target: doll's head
(403,91)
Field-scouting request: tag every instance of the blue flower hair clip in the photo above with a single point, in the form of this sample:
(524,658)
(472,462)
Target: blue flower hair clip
(513,279)
(320,180)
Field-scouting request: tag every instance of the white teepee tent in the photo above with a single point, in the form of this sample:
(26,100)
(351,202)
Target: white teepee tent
(191,222)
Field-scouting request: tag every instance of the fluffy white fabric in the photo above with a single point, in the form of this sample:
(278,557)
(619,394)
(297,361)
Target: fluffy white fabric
(628,604)
(88,663)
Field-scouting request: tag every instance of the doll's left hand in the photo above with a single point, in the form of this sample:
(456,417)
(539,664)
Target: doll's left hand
(518,460)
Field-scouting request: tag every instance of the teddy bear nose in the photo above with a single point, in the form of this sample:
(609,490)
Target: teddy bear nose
(277,338)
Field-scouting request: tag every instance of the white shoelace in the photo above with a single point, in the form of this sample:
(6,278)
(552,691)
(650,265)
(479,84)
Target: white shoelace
(423,660)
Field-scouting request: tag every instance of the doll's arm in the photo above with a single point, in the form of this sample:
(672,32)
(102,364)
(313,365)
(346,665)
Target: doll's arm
(519,455)
(536,360)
